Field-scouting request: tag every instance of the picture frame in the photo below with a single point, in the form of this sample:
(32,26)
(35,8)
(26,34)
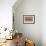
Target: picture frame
(28,19)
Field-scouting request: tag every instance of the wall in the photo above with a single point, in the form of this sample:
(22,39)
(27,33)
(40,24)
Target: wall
(6,13)
(43,22)
(30,31)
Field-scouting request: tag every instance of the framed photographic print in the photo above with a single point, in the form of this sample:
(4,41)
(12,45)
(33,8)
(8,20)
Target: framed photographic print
(28,19)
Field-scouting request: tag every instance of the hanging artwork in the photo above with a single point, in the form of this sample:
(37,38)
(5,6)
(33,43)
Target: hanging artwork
(28,19)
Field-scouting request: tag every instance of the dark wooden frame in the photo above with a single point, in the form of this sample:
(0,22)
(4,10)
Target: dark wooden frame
(29,23)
